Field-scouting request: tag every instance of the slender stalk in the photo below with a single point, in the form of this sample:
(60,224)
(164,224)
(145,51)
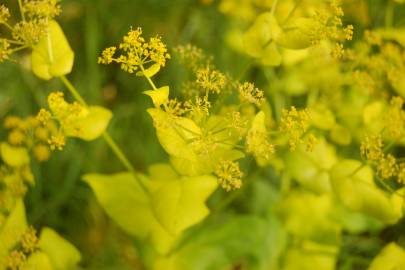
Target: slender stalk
(21,9)
(149,79)
(273,8)
(73,90)
(389,14)
(106,136)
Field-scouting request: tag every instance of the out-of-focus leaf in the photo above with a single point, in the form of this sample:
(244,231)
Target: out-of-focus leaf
(260,40)
(391,256)
(311,256)
(62,254)
(14,156)
(92,126)
(314,221)
(252,240)
(295,36)
(310,169)
(52,56)
(353,184)
(14,226)
(39,260)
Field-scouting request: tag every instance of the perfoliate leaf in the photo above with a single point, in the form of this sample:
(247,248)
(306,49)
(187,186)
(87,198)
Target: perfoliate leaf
(149,72)
(127,204)
(310,169)
(353,184)
(179,202)
(176,136)
(159,96)
(260,40)
(295,35)
(174,203)
(52,56)
(312,222)
(14,226)
(14,156)
(391,256)
(92,126)
(271,55)
(62,254)
(255,241)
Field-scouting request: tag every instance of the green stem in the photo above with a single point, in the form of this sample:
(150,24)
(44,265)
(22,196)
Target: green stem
(389,14)
(21,9)
(273,8)
(107,137)
(149,79)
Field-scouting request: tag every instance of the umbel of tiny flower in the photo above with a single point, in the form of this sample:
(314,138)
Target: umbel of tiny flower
(248,93)
(295,124)
(30,134)
(328,25)
(135,53)
(211,80)
(386,165)
(229,175)
(26,32)
(65,113)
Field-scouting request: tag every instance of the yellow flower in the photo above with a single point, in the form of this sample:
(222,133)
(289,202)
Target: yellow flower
(294,123)
(210,80)
(136,52)
(250,94)
(57,142)
(229,175)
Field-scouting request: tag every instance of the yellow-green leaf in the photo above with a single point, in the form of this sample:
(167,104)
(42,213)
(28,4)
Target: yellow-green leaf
(295,35)
(159,96)
(14,156)
(126,203)
(259,39)
(354,185)
(62,254)
(92,126)
(149,72)
(52,56)
(39,261)
(391,256)
(179,202)
(13,228)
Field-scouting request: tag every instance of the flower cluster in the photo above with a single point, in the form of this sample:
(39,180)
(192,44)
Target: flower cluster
(27,245)
(66,114)
(395,119)
(30,134)
(229,175)
(387,166)
(295,124)
(27,32)
(136,52)
(248,93)
(210,80)
(328,25)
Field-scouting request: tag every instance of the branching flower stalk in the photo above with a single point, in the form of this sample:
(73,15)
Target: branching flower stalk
(106,136)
